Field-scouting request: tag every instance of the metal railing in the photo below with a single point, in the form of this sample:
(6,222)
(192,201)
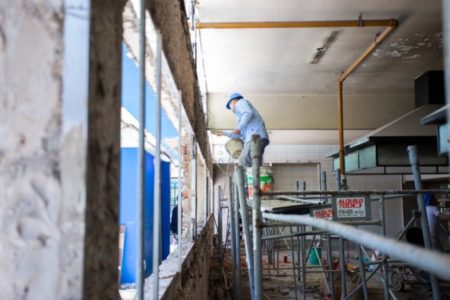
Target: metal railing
(433,262)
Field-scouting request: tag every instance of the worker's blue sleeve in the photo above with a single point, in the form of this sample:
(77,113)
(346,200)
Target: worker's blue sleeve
(245,113)
(231,135)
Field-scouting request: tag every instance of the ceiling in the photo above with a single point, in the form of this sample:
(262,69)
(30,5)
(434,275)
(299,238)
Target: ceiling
(271,66)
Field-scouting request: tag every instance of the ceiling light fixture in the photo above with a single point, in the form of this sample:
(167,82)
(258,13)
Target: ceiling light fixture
(320,50)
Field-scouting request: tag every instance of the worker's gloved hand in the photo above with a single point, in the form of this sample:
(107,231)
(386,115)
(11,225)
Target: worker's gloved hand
(236,131)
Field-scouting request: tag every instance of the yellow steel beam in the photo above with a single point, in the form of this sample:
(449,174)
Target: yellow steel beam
(296,24)
(378,40)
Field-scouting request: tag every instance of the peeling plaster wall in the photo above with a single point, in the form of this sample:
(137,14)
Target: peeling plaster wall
(194,280)
(103,176)
(31,42)
(169,17)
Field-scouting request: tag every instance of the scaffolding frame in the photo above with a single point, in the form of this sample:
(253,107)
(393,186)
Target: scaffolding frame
(436,264)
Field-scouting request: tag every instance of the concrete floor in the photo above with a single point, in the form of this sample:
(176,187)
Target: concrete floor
(279,285)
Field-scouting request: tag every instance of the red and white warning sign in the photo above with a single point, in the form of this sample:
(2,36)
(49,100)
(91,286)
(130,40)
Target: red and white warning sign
(351,208)
(323,213)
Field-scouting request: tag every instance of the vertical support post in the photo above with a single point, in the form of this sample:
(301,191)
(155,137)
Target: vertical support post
(180,188)
(256,164)
(141,159)
(293,265)
(385,263)
(194,189)
(298,253)
(446,30)
(343,269)
(303,262)
(157,179)
(415,166)
(239,178)
(207,198)
(363,273)
(337,178)
(232,236)
(341,129)
(330,266)
(237,243)
(220,221)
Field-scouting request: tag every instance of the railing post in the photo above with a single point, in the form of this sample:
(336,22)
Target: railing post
(385,263)
(415,167)
(237,244)
(239,179)
(157,178)
(141,160)
(233,236)
(256,164)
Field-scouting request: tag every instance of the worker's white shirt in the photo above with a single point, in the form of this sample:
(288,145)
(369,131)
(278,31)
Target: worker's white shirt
(432,213)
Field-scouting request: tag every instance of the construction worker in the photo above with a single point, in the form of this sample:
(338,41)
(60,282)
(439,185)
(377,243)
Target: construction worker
(249,122)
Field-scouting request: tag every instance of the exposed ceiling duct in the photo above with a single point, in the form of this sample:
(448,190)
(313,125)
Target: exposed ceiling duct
(384,149)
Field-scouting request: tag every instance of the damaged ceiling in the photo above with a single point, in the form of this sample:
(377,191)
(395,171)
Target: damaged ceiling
(272,67)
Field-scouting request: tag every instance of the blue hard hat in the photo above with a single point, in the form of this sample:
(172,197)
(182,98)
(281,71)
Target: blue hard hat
(231,97)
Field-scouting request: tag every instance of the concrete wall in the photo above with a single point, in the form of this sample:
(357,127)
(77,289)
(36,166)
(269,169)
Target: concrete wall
(46,189)
(32,198)
(193,282)
(169,17)
(103,179)
(315,111)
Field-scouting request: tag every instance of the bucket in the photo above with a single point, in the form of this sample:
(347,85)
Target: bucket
(265,180)
(234,147)
(315,255)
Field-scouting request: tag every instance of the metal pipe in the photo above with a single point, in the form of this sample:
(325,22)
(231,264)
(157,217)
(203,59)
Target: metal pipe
(363,273)
(239,178)
(220,221)
(180,189)
(446,31)
(342,268)
(237,243)
(430,261)
(293,266)
(349,296)
(330,267)
(194,189)
(297,24)
(303,263)
(341,130)
(383,233)
(391,26)
(141,159)
(284,236)
(378,40)
(362,222)
(157,178)
(233,237)
(415,167)
(355,192)
(257,221)
(310,201)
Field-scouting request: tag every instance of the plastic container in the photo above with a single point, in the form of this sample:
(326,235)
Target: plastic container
(234,147)
(265,180)
(128,210)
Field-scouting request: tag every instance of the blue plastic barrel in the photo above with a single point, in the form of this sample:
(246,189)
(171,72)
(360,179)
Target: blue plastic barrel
(128,207)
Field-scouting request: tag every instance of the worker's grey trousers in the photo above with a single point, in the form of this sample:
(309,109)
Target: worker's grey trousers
(245,159)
